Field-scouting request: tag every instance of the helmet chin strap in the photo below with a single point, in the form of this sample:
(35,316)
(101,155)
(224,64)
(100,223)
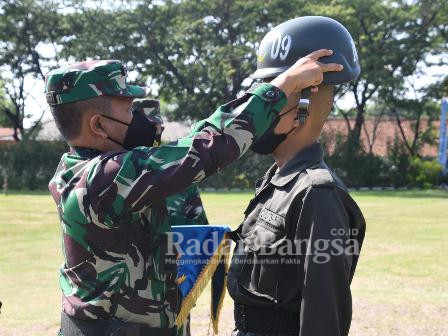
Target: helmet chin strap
(302,107)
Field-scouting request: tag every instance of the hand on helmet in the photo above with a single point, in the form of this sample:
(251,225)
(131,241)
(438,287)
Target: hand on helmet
(306,72)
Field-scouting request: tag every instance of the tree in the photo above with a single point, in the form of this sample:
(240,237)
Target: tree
(24,27)
(4,121)
(415,110)
(393,39)
(438,90)
(194,54)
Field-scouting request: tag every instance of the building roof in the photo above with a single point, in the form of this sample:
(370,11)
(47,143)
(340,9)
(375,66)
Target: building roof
(6,134)
(49,131)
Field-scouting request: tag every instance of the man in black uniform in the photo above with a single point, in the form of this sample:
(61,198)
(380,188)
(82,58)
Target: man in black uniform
(298,246)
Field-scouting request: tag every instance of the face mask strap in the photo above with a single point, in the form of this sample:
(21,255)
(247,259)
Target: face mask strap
(292,108)
(304,103)
(116,120)
(115,141)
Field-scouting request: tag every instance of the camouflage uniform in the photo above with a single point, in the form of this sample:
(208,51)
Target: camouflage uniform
(185,207)
(112,205)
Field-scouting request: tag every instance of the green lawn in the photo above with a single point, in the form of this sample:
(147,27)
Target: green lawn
(400,288)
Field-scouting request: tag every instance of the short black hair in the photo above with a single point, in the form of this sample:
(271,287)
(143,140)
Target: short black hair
(68,116)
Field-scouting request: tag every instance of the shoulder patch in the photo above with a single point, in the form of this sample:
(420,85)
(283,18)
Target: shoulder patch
(320,176)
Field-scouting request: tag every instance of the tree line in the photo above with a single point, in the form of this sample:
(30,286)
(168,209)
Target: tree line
(194,54)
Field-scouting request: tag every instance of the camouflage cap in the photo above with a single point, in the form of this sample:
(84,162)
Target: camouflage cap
(89,79)
(150,108)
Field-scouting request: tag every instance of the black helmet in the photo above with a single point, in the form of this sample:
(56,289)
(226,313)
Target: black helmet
(296,38)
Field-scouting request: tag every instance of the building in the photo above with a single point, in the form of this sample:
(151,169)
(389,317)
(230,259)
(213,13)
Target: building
(386,132)
(6,135)
(49,131)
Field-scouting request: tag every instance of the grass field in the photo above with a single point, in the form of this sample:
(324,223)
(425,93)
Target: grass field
(400,287)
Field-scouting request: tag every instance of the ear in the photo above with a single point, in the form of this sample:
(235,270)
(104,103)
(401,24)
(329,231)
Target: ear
(96,127)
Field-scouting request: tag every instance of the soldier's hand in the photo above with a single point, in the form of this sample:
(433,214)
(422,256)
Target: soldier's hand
(307,71)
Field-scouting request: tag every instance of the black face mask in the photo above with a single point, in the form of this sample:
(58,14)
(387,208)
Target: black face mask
(141,132)
(269,141)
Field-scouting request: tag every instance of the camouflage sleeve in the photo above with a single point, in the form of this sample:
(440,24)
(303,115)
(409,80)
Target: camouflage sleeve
(132,181)
(185,208)
(195,209)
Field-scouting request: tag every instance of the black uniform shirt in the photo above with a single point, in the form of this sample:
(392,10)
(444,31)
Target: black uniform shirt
(299,245)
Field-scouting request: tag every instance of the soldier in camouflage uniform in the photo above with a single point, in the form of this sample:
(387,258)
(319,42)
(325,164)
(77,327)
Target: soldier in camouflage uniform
(185,207)
(110,190)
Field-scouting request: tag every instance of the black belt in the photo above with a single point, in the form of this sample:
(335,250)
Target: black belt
(264,320)
(71,326)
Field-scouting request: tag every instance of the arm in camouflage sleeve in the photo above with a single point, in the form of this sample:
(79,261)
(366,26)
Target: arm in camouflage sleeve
(132,181)
(195,209)
(185,208)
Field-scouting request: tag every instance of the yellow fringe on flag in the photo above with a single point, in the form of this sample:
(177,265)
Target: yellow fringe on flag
(223,294)
(203,278)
